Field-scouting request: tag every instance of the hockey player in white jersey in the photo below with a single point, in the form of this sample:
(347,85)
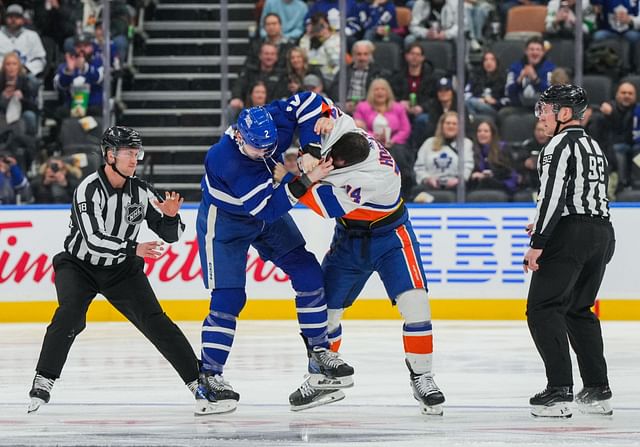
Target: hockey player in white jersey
(372,234)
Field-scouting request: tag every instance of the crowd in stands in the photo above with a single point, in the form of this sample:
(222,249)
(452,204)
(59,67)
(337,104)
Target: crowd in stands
(55,45)
(401,83)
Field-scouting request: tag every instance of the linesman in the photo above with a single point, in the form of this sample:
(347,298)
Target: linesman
(572,241)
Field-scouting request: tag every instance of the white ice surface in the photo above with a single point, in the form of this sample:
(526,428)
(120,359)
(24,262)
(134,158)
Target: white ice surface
(117,390)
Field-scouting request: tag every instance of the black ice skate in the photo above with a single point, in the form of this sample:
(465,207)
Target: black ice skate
(214,395)
(552,402)
(308,396)
(40,392)
(426,392)
(327,370)
(595,400)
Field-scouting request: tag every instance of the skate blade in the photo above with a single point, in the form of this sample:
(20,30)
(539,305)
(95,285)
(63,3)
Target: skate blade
(557,410)
(599,407)
(35,403)
(324,400)
(204,408)
(432,410)
(322,382)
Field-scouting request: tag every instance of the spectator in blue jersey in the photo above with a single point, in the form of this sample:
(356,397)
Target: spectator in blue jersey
(291,13)
(242,206)
(378,18)
(617,18)
(530,76)
(81,70)
(330,8)
(14,186)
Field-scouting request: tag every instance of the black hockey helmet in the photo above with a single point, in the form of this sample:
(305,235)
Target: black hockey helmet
(564,95)
(117,137)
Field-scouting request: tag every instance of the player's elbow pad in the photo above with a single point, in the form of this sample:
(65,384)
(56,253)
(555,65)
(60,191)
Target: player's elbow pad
(314,149)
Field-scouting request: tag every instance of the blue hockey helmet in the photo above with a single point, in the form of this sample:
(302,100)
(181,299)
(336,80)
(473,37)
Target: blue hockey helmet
(258,129)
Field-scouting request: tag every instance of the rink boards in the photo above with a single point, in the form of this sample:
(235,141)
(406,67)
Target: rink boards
(472,255)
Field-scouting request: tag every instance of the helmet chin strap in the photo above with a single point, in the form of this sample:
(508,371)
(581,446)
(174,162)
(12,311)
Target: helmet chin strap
(115,169)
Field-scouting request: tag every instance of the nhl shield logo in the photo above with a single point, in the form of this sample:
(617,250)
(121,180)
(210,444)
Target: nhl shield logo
(134,213)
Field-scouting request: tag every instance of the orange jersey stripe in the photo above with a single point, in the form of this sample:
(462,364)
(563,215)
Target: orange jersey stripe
(361,214)
(410,256)
(309,200)
(422,344)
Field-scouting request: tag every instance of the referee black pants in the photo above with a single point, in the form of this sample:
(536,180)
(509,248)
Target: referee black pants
(561,295)
(127,288)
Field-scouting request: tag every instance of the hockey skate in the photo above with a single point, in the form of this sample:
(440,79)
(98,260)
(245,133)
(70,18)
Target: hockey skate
(426,392)
(552,402)
(40,392)
(214,395)
(595,400)
(308,396)
(327,370)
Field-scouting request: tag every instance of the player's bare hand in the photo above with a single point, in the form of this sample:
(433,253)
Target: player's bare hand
(323,126)
(529,229)
(530,261)
(152,250)
(321,171)
(171,205)
(307,162)
(279,171)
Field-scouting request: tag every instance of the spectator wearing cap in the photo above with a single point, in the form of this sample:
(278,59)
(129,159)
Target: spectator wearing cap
(360,73)
(81,68)
(25,42)
(445,101)
(291,13)
(530,76)
(297,68)
(313,83)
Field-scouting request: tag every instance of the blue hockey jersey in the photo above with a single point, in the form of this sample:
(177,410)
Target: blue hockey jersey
(240,185)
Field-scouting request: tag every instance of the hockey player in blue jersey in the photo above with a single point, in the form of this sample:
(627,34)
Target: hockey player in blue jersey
(242,206)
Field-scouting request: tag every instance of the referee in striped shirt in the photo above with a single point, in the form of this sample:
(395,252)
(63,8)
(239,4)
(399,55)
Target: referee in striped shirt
(572,241)
(102,255)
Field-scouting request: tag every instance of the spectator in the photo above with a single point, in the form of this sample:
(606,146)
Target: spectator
(81,71)
(313,83)
(561,19)
(98,44)
(378,18)
(273,34)
(530,150)
(484,92)
(530,76)
(414,85)
(620,127)
(433,20)
(559,76)
(14,186)
(359,75)
(56,182)
(14,37)
(386,119)
(437,163)
(493,168)
(57,19)
(257,97)
(445,101)
(267,72)
(476,14)
(297,68)
(322,45)
(329,8)
(19,94)
(291,13)
(617,18)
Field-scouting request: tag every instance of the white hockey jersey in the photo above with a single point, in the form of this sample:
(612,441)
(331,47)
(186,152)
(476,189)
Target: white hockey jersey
(368,191)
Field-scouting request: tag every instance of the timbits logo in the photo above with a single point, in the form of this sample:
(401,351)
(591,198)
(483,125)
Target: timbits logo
(134,213)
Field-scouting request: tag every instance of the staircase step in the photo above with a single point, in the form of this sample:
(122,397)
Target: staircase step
(180,131)
(189,46)
(186,60)
(200,11)
(177,81)
(174,149)
(189,28)
(194,117)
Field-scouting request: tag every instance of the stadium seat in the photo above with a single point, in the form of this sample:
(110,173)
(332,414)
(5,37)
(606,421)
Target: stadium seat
(599,88)
(628,195)
(403,16)
(388,55)
(508,52)
(525,21)
(441,53)
(487,195)
(517,127)
(562,53)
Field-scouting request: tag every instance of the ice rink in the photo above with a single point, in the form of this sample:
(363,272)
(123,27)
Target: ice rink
(117,390)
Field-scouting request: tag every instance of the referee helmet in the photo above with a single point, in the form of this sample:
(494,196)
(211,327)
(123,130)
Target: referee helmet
(121,137)
(564,95)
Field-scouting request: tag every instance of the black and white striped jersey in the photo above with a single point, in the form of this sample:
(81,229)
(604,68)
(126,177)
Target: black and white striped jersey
(106,221)
(573,180)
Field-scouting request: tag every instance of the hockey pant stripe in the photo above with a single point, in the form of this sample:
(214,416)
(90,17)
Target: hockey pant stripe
(413,266)
(312,316)
(217,337)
